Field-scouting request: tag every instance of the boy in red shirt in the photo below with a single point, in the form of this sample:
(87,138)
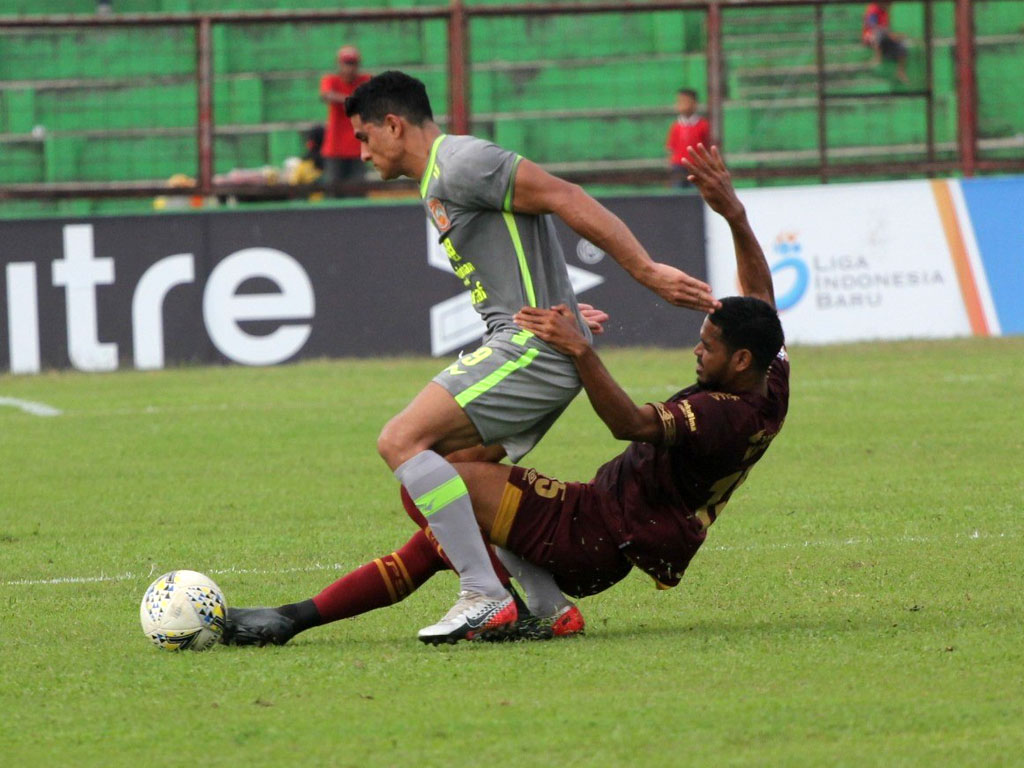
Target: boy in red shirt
(341,148)
(689,130)
(878,35)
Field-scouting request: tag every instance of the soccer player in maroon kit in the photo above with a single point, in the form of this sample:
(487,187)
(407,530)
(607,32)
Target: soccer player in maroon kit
(651,506)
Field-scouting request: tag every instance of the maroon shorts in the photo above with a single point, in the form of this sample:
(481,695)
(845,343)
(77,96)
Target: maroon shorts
(559,527)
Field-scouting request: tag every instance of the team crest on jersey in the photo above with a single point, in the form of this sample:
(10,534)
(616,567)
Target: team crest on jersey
(439,215)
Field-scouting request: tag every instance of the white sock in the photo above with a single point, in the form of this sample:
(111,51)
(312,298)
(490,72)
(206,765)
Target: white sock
(441,495)
(543,597)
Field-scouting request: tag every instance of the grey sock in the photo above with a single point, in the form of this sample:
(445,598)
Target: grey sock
(441,495)
(543,597)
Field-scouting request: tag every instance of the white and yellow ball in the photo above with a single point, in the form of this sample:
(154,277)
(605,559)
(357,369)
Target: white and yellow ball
(183,609)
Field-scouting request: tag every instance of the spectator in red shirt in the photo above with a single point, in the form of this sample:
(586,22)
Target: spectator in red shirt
(878,35)
(689,130)
(341,148)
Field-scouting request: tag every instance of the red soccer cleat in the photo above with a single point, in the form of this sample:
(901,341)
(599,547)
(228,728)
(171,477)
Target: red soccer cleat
(566,623)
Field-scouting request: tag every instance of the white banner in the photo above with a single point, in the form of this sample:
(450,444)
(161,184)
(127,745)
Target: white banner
(851,262)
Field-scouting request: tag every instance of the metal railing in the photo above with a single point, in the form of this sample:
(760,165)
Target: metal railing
(459,71)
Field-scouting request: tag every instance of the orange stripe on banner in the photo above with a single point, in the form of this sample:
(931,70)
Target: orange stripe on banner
(387,579)
(957,248)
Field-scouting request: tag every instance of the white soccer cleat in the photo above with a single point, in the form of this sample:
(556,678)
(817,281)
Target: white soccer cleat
(473,616)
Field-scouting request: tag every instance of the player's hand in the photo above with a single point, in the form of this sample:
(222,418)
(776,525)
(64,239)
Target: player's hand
(556,326)
(709,174)
(680,289)
(595,318)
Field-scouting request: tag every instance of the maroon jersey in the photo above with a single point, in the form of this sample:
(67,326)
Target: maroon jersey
(661,499)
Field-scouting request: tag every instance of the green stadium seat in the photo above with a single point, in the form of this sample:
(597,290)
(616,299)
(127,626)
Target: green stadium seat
(609,77)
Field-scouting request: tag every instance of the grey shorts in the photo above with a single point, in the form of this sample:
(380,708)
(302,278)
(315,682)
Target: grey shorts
(512,388)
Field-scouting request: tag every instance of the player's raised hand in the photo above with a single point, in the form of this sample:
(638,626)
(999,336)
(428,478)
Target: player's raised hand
(595,318)
(709,174)
(556,326)
(680,289)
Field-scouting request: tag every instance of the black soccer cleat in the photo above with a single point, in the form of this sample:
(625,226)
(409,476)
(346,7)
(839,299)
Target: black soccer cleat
(257,626)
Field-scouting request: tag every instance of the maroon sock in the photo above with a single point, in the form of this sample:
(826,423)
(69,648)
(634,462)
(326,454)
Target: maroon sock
(417,517)
(383,582)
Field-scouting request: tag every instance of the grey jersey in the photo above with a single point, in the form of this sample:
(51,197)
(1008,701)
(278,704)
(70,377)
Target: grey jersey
(507,260)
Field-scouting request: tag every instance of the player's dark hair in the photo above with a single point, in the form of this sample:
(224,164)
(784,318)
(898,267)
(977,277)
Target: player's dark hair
(749,323)
(390,93)
(688,92)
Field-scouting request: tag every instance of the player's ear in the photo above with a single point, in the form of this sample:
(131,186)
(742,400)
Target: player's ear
(742,360)
(393,125)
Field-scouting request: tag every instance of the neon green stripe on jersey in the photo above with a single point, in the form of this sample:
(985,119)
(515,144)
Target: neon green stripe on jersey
(430,164)
(524,268)
(488,382)
(522,337)
(442,496)
(511,185)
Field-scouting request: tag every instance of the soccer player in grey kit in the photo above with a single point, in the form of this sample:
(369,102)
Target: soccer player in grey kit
(490,209)
(648,508)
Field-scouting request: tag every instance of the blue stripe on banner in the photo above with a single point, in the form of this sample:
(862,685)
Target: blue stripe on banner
(996,208)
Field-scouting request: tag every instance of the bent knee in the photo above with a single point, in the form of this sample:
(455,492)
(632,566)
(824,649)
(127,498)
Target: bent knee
(397,443)
(389,441)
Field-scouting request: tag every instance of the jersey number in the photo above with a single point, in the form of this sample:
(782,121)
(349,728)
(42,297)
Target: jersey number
(470,360)
(548,488)
(720,493)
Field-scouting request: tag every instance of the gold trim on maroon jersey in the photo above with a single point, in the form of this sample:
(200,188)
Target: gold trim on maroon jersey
(722,396)
(691,417)
(506,515)
(668,423)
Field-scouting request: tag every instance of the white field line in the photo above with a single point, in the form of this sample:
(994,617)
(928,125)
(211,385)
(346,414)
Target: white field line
(30,407)
(157,410)
(321,567)
(153,571)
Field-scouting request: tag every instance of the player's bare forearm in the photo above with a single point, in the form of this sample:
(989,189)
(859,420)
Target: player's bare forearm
(755,275)
(538,192)
(626,421)
(709,174)
(592,221)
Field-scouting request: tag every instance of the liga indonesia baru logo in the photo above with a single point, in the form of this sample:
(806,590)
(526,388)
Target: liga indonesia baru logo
(791,268)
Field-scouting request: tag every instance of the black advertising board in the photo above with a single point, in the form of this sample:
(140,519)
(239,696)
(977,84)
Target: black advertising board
(267,287)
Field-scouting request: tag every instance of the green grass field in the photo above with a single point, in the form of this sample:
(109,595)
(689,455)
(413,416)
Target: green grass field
(860,602)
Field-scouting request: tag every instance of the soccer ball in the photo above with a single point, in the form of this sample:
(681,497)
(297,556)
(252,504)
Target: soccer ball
(183,609)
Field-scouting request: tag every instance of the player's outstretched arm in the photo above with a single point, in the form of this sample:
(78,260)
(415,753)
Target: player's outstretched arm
(538,192)
(624,418)
(711,177)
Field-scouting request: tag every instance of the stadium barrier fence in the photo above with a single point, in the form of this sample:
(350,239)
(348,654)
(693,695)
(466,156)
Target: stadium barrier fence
(116,105)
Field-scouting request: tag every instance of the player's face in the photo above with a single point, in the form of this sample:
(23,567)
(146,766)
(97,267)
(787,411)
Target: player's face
(713,357)
(379,144)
